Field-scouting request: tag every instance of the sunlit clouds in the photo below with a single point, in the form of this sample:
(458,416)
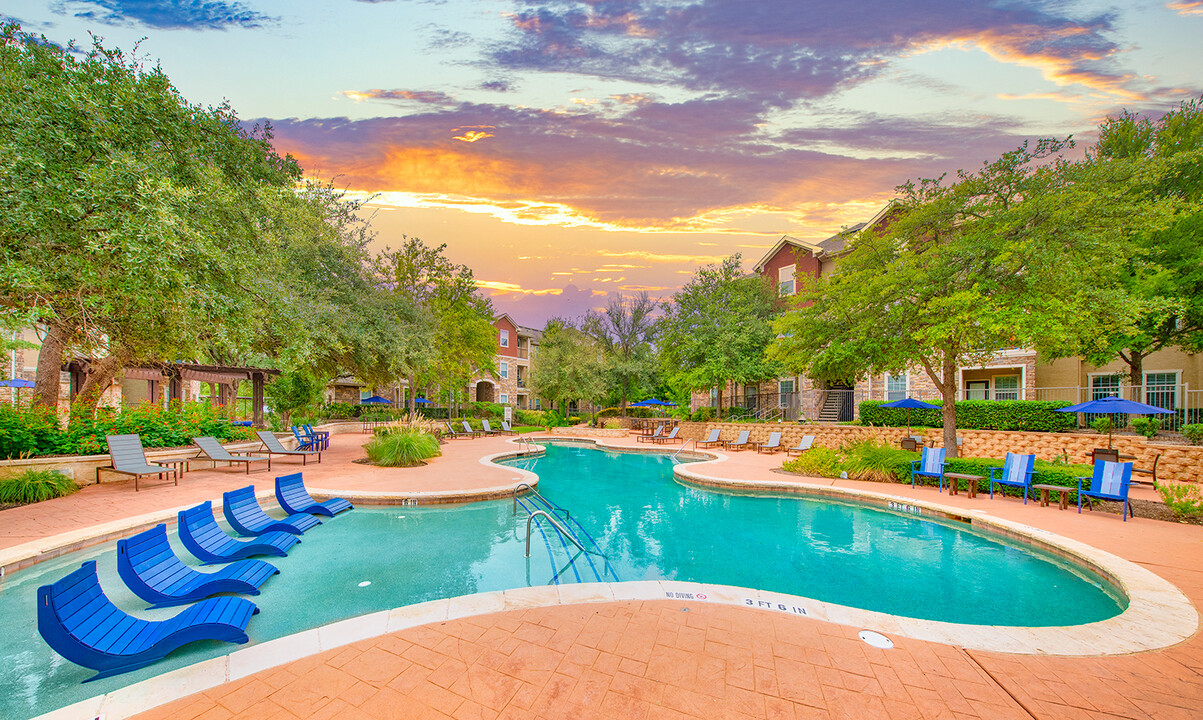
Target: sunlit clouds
(1186,7)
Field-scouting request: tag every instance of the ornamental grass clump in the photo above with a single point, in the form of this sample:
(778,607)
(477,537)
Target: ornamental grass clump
(875,461)
(34,486)
(401,447)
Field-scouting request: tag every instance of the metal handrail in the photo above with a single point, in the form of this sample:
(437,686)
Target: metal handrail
(546,502)
(691,440)
(556,524)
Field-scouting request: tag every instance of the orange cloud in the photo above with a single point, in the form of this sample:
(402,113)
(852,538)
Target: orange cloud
(472,135)
(1186,7)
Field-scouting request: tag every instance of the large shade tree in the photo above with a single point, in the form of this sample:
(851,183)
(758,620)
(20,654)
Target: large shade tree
(625,331)
(570,365)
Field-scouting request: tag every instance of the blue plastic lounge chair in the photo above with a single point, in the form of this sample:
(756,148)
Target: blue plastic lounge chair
(273,446)
(323,437)
(931,464)
(1017,471)
(741,441)
(81,624)
(670,437)
(204,538)
(1110,482)
(130,459)
(711,439)
(294,498)
(305,441)
(149,567)
(212,449)
(773,445)
(242,511)
(807,443)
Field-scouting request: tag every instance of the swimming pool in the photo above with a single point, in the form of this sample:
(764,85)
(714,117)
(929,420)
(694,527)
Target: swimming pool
(650,526)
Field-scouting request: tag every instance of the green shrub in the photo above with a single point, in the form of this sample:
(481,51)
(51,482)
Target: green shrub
(28,431)
(1147,426)
(819,461)
(1047,473)
(531,417)
(1193,433)
(1026,415)
(1184,499)
(34,486)
(705,413)
(876,461)
(401,448)
(1103,425)
(487,410)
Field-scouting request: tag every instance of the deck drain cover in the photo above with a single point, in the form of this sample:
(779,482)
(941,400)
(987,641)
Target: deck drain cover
(876,639)
(365,583)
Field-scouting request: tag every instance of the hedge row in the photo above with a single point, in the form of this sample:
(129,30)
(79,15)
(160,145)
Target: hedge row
(1025,415)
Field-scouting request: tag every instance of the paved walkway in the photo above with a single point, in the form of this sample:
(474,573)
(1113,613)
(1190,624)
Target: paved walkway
(670,659)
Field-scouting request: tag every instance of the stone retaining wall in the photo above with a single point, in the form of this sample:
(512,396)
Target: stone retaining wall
(1179,463)
(591,432)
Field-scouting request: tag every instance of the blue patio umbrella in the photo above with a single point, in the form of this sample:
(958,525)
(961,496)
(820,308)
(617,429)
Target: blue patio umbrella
(910,404)
(423,401)
(1113,404)
(16,383)
(375,400)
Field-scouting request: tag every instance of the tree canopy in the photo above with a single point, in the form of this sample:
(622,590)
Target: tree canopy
(625,331)
(570,365)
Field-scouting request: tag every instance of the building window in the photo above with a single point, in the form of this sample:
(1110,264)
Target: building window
(785,388)
(1006,387)
(538,403)
(785,280)
(504,399)
(505,370)
(1102,386)
(1161,390)
(505,338)
(895,387)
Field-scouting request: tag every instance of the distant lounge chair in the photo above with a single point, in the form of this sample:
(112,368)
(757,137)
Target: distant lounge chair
(670,437)
(505,428)
(1017,471)
(711,439)
(305,441)
(130,459)
(469,431)
(484,424)
(773,445)
(242,511)
(274,447)
(295,499)
(1110,482)
(931,464)
(323,437)
(807,443)
(653,437)
(81,624)
(204,538)
(741,441)
(212,449)
(153,572)
(451,432)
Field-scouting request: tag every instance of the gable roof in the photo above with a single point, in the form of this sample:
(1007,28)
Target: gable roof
(830,247)
(784,241)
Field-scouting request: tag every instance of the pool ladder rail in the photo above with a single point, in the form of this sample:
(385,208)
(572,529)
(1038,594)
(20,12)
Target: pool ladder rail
(540,507)
(682,448)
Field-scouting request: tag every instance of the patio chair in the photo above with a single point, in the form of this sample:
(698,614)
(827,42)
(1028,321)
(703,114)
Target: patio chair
(273,446)
(242,511)
(468,430)
(305,441)
(487,430)
(930,464)
(204,538)
(741,442)
(653,437)
(773,445)
(79,622)
(294,498)
(807,443)
(670,437)
(1017,471)
(322,436)
(505,428)
(130,459)
(451,432)
(711,439)
(212,449)
(1109,482)
(1150,471)
(152,571)
(1103,455)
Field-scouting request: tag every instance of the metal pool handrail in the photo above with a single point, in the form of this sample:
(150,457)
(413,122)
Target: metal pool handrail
(691,440)
(556,524)
(546,502)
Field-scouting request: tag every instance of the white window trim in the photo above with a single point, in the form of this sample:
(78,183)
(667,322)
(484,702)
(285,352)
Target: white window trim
(504,338)
(504,399)
(886,384)
(787,274)
(1018,389)
(505,370)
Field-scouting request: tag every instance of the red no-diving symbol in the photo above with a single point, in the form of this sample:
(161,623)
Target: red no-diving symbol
(701,596)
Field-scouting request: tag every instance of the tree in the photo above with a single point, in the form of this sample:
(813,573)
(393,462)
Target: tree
(1003,257)
(1161,275)
(625,331)
(716,329)
(569,365)
(293,390)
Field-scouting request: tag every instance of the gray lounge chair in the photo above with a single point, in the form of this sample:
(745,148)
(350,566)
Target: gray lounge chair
(807,443)
(505,428)
(273,446)
(711,439)
(488,430)
(653,437)
(468,430)
(130,459)
(773,445)
(212,449)
(742,442)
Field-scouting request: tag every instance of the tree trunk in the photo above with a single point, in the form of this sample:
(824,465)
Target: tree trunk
(1136,371)
(719,410)
(413,384)
(50,363)
(99,376)
(948,390)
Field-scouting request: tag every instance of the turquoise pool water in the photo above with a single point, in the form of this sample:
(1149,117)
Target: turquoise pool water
(650,527)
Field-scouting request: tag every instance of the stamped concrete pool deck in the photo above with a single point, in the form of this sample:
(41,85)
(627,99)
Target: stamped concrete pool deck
(661,658)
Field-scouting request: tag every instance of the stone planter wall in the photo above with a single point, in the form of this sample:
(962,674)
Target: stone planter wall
(1179,463)
(591,432)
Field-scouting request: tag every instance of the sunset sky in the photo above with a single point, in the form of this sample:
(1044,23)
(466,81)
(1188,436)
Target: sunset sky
(567,150)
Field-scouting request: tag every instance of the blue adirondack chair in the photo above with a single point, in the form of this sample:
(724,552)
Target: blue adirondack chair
(242,511)
(1110,482)
(931,464)
(1017,471)
(81,624)
(322,437)
(305,441)
(294,498)
(153,572)
(204,538)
